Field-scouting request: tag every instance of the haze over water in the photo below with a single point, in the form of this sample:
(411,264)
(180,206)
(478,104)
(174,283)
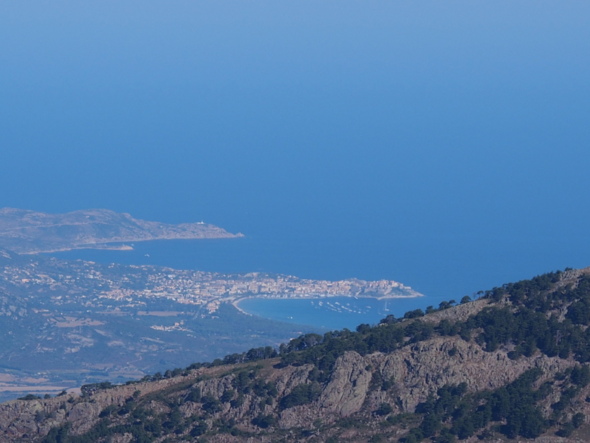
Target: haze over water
(440,144)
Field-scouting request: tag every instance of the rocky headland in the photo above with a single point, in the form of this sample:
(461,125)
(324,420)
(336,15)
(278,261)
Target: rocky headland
(30,232)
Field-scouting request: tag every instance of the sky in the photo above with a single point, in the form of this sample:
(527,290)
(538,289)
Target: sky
(443,143)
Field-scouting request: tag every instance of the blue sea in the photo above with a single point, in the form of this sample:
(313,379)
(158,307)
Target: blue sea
(332,313)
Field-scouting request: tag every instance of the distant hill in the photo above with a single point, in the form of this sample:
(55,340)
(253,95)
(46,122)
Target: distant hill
(510,366)
(25,231)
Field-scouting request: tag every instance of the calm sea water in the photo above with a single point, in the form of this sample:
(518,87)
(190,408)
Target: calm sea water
(334,312)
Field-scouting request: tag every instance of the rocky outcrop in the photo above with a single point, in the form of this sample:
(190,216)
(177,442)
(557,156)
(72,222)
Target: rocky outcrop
(345,394)
(413,373)
(420,370)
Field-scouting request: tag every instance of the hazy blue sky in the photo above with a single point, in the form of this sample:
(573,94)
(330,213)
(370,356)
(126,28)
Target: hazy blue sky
(431,135)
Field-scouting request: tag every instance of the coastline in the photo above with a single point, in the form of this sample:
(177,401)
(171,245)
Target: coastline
(97,247)
(236,302)
(121,245)
(330,313)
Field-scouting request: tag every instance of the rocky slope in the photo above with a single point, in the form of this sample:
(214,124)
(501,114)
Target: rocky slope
(487,370)
(25,231)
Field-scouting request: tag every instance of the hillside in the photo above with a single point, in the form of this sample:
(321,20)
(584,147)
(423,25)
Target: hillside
(25,231)
(511,365)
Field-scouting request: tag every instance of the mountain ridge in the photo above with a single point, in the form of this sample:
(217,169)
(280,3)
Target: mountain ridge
(512,365)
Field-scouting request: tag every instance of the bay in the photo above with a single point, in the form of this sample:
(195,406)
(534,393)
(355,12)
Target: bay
(331,313)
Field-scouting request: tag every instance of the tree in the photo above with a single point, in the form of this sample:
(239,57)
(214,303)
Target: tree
(384,409)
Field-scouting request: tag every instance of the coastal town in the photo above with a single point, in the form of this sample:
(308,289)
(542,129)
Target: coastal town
(100,285)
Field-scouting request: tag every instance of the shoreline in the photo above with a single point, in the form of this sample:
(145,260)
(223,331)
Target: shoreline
(235,303)
(122,246)
(96,247)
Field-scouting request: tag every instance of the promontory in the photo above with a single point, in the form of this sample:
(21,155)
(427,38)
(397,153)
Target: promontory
(29,232)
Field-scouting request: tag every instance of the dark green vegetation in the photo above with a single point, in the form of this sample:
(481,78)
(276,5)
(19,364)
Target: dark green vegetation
(540,326)
(513,410)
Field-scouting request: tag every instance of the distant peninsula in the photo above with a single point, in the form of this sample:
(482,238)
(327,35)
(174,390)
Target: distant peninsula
(30,232)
